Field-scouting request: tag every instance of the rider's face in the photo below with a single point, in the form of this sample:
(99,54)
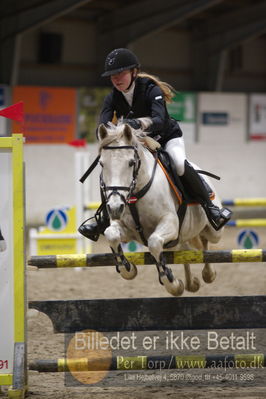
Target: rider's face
(122,80)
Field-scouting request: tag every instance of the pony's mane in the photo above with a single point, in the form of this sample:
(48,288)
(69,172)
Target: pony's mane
(115,133)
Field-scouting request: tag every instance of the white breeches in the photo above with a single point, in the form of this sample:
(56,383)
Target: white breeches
(176,150)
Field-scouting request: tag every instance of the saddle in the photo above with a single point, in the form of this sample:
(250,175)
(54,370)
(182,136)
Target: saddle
(181,189)
(179,186)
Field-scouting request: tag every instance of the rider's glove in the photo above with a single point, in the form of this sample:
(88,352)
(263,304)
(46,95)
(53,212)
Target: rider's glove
(135,123)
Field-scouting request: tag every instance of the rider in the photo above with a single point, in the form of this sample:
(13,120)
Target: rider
(136,95)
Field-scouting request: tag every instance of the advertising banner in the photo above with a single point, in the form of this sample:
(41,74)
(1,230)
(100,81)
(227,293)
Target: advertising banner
(50,114)
(12,266)
(222,118)
(257,117)
(183,109)
(6,265)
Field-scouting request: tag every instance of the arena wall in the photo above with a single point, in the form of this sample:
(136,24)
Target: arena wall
(50,172)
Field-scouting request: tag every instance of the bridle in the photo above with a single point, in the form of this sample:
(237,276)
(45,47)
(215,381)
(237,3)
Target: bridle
(115,189)
(132,197)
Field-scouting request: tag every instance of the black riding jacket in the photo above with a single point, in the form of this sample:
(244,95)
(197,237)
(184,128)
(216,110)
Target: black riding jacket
(148,101)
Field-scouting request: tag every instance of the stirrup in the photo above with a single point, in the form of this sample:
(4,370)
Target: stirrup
(225,216)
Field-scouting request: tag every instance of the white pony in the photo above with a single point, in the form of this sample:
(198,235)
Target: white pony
(130,175)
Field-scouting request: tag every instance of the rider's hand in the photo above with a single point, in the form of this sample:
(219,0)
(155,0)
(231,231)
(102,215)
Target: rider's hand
(135,123)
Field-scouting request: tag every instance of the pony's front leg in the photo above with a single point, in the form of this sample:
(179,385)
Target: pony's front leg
(165,232)
(113,234)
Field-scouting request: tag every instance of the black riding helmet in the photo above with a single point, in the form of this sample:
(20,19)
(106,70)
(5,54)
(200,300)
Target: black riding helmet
(119,60)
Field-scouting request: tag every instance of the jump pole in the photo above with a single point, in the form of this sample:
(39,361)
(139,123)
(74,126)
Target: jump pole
(247,223)
(255,202)
(139,362)
(246,202)
(145,258)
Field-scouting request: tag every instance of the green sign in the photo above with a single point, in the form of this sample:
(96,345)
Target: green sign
(90,102)
(183,107)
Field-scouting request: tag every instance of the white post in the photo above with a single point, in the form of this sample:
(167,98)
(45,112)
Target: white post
(81,165)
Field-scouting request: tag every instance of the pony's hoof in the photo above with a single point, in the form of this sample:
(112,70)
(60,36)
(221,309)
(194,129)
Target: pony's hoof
(194,286)
(175,288)
(128,274)
(208,277)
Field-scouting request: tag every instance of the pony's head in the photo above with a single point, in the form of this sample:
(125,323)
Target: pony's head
(120,164)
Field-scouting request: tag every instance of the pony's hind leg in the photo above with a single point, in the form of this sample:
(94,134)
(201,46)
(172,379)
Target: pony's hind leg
(208,272)
(192,282)
(127,269)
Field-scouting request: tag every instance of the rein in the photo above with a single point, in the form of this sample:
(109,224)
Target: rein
(136,196)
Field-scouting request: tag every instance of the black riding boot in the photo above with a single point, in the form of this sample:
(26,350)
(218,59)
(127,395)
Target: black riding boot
(217,217)
(93,230)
